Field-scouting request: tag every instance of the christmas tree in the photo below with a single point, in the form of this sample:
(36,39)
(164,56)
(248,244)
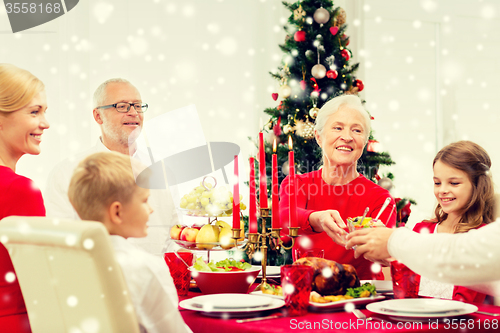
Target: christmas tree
(315,68)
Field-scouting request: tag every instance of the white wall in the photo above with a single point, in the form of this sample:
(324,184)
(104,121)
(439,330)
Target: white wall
(217,55)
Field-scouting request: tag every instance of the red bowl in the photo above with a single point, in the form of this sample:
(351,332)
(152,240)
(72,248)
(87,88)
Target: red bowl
(225,282)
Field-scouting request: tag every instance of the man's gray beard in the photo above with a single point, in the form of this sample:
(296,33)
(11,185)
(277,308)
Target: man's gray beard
(120,137)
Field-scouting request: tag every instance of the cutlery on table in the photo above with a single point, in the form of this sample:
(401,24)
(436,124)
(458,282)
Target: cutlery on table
(488,313)
(278,315)
(361,315)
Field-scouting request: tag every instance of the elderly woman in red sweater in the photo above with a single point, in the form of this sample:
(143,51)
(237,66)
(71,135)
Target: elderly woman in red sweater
(328,196)
(22,122)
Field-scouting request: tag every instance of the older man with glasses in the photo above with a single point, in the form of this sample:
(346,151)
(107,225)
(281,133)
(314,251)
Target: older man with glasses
(119,111)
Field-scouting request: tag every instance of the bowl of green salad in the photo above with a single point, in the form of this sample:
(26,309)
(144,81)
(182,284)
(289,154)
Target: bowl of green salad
(225,276)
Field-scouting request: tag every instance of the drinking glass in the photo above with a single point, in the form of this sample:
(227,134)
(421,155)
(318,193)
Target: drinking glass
(296,282)
(302,253)
(405,282)
(179,270)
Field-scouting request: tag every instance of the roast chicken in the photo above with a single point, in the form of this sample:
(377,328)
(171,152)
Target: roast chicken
(330,277)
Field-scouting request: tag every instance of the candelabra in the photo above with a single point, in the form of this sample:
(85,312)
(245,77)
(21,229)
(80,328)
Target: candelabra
(258,241)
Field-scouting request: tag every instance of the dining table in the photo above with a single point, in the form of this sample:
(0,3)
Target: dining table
(339,320)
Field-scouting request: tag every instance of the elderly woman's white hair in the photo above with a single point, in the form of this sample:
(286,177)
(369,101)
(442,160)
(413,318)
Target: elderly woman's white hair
(335,104)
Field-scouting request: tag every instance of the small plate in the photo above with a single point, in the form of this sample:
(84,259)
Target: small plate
(341,304)
(271,271)
(231,313)
(383,286)
(260,293)
(230,301)
(423,305)
(381,308)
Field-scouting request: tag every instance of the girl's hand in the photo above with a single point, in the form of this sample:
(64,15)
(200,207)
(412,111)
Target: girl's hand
(371,243)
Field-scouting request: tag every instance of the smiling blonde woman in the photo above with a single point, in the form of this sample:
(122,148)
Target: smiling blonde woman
(22,122)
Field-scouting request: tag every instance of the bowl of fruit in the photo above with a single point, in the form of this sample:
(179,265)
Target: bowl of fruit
(216,236)
(226,276)
(208,200)
(367,222)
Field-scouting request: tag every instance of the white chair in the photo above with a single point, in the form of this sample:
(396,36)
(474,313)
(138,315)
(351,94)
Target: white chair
(68,275)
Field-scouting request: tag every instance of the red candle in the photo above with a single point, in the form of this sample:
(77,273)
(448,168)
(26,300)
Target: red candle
(252,218)
(262,173)
(236,196)
(275,190)
(293,199)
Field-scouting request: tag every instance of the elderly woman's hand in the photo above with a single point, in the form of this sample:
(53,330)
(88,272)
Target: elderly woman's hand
(330,222)
(371,243)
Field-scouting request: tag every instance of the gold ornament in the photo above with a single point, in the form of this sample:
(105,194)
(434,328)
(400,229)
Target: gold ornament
(287,129)
(314,112)
(318,71)
(305,129)
(341,17)
(321,15)
(285,91)
(352,91)
(299,13)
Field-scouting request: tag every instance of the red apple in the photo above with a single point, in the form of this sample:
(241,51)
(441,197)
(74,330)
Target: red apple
(175,231)
(189,234)
(198,225)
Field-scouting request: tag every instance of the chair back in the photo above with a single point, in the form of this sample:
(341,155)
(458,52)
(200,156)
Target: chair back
(68,275)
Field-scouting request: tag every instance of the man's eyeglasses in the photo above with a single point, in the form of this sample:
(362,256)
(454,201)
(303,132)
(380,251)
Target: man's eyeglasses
(123,107)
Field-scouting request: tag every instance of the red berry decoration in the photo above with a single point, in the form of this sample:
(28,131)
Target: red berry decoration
(303,85)
(300,36)
(345,54)
(359,85)
(275,96)
(331,74)
(334,30)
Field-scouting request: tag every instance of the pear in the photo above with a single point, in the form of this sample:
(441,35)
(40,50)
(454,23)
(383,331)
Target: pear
(207,234)
(225,238)
(222,224)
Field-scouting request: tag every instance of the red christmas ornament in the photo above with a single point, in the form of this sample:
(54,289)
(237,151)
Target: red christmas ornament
(334,30)
(315,86)
(303,84)
(331,74)
(344,37)
(277,127)
(275,96)
(359,84)
(345,54)
(373,146)
(280,106)
(300,36)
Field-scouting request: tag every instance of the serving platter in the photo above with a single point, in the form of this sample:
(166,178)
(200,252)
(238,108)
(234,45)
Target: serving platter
(333,306)
(382,286)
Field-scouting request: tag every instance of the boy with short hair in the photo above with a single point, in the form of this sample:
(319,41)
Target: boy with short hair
(103,188)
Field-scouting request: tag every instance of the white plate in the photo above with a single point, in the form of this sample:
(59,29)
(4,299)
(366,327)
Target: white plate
(381,308)
(341,304)
(423,305)
(260,293)
(271,271)
(231,313)
(229,301)
(383,286)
